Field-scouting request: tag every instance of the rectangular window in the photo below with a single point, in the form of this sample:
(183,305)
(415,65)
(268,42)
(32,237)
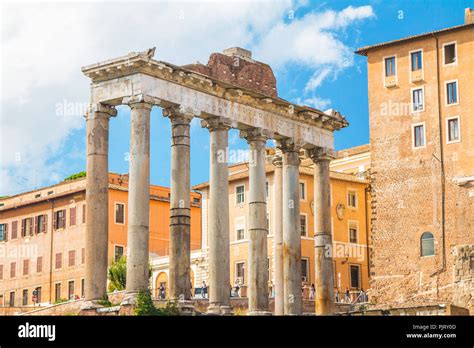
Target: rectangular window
(355,276)
(351,199)
(83,213)
(240,272)
(302,190)
(39,264)
(25,297)
(57,292)
(304,230)
(40,223)
(452,92)
(390,66)
(72,216)
(449,53)
(3,232)
(454,134)
(353,232)
(1,272)
(70,292)
(118,252)
(14,230)
(27,227)
(419,135)
(240,228)
(12,299)
(59,219)
(119,213)
(417,100)
(304,270)
(267,189)
(13,270)
(59,261)
(268,223)
(72,258)
(416,61)
(240,194)
(26,267)
(83,289)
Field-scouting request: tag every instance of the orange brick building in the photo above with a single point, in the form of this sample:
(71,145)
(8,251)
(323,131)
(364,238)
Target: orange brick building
(42,238)
(421,103)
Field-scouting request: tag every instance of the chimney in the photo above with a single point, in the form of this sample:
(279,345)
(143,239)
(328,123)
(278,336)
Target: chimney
(468,16)
(238,52)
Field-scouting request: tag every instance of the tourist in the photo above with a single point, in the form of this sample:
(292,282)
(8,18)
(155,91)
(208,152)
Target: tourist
(312,291)
(270,289)
(347,297)
(204,289)
(337,295)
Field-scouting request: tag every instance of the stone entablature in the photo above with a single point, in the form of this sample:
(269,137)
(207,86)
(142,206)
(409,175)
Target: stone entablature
(138,74)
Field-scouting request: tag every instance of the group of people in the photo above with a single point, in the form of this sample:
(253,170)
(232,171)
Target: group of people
(362,297)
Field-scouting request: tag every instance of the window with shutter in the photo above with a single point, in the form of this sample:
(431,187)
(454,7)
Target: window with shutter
(83,213)
(3,232)
(14,233)
(30,226)
(39,264)
(23,228)
(72,216)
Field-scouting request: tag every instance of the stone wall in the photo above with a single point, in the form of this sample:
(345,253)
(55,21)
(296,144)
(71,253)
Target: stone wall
(463,277)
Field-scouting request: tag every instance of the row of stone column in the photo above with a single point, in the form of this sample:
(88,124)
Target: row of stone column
(287,233)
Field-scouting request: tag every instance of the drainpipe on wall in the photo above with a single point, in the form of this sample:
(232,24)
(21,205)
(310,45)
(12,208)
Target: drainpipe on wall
(441,160)
(51,255)
(367,233)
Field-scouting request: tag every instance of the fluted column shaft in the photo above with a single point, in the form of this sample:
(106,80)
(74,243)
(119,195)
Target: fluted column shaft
(138,197)
(180,209)
(291,230)
(218,221)
(97,178)
(257,225)
(277,201)
(324,283)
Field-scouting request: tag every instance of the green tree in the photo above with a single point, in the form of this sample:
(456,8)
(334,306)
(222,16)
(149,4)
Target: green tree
(118,275)
(75,176)
(145,306)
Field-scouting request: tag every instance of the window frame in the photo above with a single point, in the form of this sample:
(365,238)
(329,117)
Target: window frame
(305,190)
(413,135)
(412,90)
(384,66)
(455,53)
(236,273)
(458,140)
(306,224)
(115,213)
(421,244)
(115,251)
(422,62)
(237,195)
(359,273)
(458,97)
(240,221)
(356,223)
(348,190)
(307,269)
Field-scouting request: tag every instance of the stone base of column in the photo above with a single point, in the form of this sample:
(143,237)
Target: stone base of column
(219,310)
(130,299)
(186,307)
(260,313)
(90,305)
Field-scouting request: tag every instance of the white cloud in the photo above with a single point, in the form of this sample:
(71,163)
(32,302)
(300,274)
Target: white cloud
(315,102)
(44,46)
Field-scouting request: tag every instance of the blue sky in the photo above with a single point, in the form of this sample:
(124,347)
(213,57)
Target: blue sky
(61,150)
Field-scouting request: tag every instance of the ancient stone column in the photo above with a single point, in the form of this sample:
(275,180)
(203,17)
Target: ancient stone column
(277,210)
(218,218)
(324,282)
(138,195)
(257,222)
(97,179)
(291,229)
(180,209)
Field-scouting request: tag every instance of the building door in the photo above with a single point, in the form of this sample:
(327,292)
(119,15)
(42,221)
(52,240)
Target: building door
(70,291)
(57,292)
(12,299)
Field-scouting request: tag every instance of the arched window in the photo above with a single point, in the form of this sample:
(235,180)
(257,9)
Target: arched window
(427,244)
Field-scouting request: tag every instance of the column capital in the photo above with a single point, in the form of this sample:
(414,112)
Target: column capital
(287,145)
(178,113)
(141,101)
(256,134)
(214,123)
(99,110)
(319,154)
(277,159)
